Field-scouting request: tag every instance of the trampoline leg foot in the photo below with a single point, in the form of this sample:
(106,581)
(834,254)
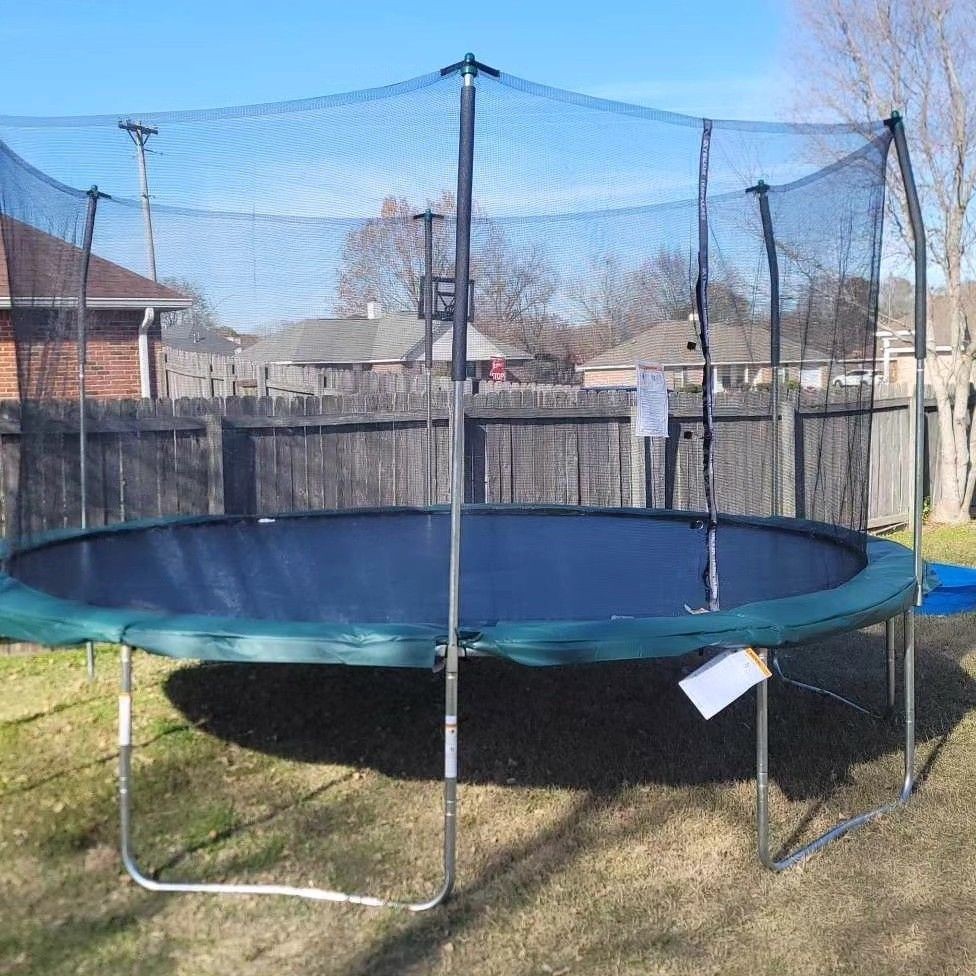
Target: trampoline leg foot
(310,893)
(845,827)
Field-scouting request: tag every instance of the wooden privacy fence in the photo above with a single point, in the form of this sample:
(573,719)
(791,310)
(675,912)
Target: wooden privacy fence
(193,374)
(261,454)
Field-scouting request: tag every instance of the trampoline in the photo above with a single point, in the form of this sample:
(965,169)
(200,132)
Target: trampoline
(540,585)
(723,504)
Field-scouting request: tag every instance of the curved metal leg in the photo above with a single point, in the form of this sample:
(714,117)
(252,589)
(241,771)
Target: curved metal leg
(312,894)
(762,767)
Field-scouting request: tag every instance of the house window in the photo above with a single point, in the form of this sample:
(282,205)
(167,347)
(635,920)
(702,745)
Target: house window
(731,377)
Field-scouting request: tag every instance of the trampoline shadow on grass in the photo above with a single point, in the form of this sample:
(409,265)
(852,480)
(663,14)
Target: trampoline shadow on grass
(593,728)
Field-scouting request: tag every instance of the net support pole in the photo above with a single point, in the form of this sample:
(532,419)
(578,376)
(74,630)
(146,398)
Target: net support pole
(428,217)
(82,342)
(708,375)
(140,135)
(761,189)
(897,127)
(462,263)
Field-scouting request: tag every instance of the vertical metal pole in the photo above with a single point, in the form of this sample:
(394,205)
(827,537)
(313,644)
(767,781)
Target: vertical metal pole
(82,340)
(140,134)
(762,766)
(428,218)
(125,757)
(897,127)
(761,189)
(708,373)
(429,344)
(909,691)
(462,254)
(890,662)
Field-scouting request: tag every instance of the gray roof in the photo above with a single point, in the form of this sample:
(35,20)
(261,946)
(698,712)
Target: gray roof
(732,343)
(192,338)
(391,338)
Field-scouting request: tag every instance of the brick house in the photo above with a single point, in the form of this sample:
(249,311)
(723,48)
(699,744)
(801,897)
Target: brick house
(39,279)
(740,356)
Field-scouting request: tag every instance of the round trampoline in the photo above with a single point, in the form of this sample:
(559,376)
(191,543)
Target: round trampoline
(539,585)
(600,243)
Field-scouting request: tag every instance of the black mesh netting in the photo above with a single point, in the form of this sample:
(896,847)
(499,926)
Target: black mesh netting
(293,225)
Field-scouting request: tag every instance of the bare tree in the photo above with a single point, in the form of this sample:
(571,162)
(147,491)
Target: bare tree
(601,294)
(617,301)
(383,257)
(512,292)
(863,60)
(199,318)
(383,260)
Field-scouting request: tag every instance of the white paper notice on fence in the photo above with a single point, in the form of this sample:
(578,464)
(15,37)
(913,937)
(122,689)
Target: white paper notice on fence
(652,401)
(724,678)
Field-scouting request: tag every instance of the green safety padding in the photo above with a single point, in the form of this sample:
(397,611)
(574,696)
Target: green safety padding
(885,587)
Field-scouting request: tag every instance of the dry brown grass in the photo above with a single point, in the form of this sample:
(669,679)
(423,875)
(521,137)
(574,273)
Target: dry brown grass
(605,828)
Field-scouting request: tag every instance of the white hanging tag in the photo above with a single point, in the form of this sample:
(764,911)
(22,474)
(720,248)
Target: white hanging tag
(724,678)
(651,418)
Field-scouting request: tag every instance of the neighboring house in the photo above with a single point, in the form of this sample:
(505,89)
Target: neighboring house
(740,356)
(188,337)
(123,332)
(896,340)
(379,342)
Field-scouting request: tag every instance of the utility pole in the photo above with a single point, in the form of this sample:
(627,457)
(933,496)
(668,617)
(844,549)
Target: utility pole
(140,134)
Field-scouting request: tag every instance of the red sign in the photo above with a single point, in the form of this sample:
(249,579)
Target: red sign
(497,372)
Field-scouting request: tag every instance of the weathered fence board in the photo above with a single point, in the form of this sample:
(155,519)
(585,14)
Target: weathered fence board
(263,454)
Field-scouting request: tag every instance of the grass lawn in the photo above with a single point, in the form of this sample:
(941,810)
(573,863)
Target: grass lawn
(604,827)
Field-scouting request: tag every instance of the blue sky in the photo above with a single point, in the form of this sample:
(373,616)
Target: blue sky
(91,56)
(78,57)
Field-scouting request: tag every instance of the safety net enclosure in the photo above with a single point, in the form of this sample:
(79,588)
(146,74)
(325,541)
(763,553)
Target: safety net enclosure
(425,439)
(602,235)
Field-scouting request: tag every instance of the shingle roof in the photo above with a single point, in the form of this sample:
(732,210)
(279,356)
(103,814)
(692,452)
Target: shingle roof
(667,343)
(192,338)
(392,338)
(45,269)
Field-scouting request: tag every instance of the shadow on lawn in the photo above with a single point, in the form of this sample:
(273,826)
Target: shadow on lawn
(593,728)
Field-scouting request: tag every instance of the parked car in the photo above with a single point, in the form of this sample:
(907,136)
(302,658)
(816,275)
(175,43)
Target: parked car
(857,377)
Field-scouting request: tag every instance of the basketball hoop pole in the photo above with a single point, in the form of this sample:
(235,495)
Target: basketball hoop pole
(428,217)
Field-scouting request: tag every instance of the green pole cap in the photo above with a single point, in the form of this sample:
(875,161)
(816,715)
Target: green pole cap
(470,65)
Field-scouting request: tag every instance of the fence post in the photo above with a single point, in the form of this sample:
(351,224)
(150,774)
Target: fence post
(215,464)
(165,372)
(263,381)
(10,473)
(638,466)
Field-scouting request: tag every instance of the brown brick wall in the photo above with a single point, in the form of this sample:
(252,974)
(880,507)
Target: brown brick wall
(113,359)
(9,387)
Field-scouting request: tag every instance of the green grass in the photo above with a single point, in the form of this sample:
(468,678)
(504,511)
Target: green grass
(946,543)
(604,827)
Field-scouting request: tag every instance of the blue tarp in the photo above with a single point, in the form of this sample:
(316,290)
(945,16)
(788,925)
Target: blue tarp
(956,592)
